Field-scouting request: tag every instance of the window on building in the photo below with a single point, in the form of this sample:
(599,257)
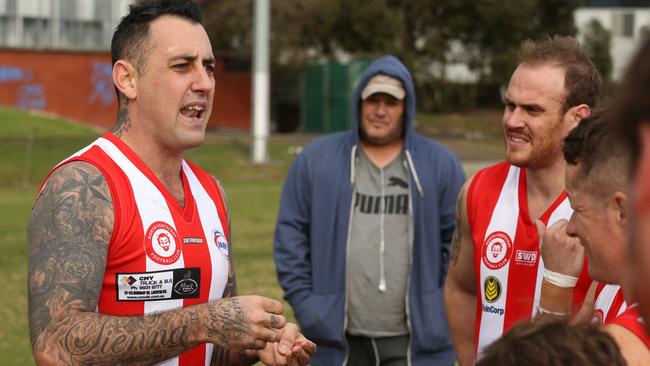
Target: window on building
(628,25)
(68,9)
(7,30)
(10,7)
(623,24)
(36,32)
(102,9)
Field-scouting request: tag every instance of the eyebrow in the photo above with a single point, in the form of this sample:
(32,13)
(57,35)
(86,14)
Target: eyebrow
(507,100)
(190,58)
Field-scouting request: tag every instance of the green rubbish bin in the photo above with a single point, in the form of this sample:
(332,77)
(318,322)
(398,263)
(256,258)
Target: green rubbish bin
(327,98)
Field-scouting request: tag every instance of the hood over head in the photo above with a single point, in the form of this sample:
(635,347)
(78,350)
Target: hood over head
(390,66)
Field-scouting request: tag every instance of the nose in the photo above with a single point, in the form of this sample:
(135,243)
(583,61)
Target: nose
(203,81)
(380,110)
(512,118)
(571,229)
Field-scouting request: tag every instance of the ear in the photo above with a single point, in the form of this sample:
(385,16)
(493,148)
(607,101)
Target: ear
(125,78)
(619,204)
(576,113)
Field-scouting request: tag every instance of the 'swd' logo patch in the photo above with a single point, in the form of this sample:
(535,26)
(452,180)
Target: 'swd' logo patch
(492,289)
(526,257)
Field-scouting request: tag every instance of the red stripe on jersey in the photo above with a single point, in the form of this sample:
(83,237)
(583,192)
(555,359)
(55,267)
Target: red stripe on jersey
(632,321)
(185,211)
(483,191)
(211,187)
(522,271)
(609,303)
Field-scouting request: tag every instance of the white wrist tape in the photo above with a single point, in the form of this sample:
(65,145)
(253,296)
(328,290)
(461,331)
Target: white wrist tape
(559,279)
(543,311)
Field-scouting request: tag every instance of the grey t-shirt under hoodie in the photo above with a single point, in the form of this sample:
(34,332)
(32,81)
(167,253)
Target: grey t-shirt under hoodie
(376,282)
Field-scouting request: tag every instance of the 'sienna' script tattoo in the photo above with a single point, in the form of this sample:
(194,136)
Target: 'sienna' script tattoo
(455,241)
(69,233)
(111,340)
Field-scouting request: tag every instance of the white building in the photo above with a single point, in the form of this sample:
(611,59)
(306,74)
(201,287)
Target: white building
(627,21)
(60,24)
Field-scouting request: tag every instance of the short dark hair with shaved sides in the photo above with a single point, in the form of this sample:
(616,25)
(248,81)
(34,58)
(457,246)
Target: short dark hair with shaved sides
(130,36)
(582,81)
(603,159)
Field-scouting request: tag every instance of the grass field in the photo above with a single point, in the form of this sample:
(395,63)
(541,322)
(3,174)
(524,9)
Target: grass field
(32,144)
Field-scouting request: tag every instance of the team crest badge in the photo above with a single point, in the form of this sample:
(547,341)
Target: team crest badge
(497,250)
(161,243)
(492,287)
(221,242)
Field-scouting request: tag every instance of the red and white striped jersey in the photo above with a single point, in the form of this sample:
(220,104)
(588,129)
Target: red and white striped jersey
(507,260)
(632,321)
(609,303)
(161,256)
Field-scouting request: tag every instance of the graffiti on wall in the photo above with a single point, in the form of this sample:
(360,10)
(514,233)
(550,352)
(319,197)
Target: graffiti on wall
(30,94)
(102,81)
(10,74)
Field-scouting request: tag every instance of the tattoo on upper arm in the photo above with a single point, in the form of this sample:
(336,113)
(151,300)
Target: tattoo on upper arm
(69,234)
(69,231)
(231,285)
(456,239)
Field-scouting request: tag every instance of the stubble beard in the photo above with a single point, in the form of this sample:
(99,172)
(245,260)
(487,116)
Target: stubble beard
(547,153)
(392,136)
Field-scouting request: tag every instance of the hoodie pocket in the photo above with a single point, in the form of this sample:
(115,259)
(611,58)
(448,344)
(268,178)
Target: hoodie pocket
(321,318)
(430,331)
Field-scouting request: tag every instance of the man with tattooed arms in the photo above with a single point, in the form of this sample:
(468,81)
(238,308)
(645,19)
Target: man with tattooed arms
(129,252)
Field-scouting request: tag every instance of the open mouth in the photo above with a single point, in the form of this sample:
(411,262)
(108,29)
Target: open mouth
(193,111)
(518,138)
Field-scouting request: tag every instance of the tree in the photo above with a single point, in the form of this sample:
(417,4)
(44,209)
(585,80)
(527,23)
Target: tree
(419,32)
(597,41)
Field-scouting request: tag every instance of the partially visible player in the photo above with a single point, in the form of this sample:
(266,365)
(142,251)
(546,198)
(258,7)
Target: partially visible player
(495,276)
(596,181)
(630,115)
(553,342)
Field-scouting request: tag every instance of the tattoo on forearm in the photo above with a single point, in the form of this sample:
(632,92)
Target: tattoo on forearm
(69,233)
(226,320)
(455,240)
(122,339)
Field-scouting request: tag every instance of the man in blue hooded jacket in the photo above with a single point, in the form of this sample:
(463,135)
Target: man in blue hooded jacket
(363,233)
